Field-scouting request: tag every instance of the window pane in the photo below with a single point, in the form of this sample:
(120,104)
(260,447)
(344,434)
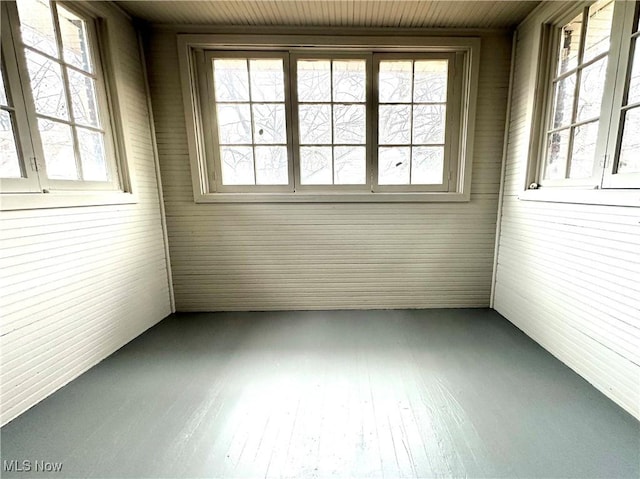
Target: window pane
(563,105)
(9,159)
(47,86)
(267,80)
(3,92)
(94,162)
(315,124)
(271,165)
(598,29)
(57,144)
(75,41)
(230,80)
(269,123)
(393,165)
(430,81)
(428,123)
(427,165)
(350,165)
(394,124)
(237,165)
(570,45)
(349,80)
(349,124)
(634,81)
(234,123)
(315,165)
(629,159)
(591,90)
(557,151)
(36,26)
(83,98)
(584,150)
(314,80)
(394,81)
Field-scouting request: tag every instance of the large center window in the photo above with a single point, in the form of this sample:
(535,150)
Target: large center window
(361,123)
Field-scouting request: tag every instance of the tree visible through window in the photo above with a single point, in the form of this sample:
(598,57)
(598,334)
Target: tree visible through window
(578,88)
(350,121)
(332,121)
(251,120)
(9,153)
(589,137)
(629,144)
(63,85)
(412,114)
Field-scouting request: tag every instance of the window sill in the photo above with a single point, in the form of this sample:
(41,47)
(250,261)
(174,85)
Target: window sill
(58,199)
(611,197)
(429,197)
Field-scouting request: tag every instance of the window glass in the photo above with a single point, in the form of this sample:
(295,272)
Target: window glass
(64,91)
(309,120)
(75,41)
(9,159)
(37,27)
(412,116)
(629,149)
(578,90)
(570,37)
(332,121)
(598,32)
(629,161)
(251,120)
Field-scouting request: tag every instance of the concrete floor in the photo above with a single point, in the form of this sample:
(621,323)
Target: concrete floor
(347,394)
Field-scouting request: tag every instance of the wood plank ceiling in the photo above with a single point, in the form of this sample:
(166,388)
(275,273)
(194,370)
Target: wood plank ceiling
(335,13)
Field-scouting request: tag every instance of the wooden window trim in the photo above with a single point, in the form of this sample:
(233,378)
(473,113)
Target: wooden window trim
(467,48)
(40,191)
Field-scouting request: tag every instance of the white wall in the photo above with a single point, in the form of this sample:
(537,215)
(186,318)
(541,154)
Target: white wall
(326,256)
(568,274)
(78,283)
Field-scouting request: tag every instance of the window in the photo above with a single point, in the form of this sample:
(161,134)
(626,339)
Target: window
(55,126)
(415,104)
(331,114)
(624,148)
(593,101)
(249,114)
(354,123)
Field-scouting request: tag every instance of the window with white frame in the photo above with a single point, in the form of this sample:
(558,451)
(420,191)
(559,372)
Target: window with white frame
(331,111)
(416,121)
(249,114)
(624,148)
(55,125)
(591,125)
(323,122)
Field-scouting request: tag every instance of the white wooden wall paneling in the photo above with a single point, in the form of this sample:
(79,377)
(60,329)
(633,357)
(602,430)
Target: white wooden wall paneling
(568,275)
(328,256)
(78,283)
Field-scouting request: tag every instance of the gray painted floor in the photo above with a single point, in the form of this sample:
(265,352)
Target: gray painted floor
(436,393)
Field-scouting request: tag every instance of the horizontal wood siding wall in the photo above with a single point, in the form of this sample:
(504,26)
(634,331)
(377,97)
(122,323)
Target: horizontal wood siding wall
(329,256)
(568,274)
(78,283)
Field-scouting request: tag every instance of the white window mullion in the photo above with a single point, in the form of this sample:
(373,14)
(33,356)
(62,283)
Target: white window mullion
(290,105)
